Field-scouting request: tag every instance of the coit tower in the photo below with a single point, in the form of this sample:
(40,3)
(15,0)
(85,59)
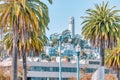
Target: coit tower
(72,26)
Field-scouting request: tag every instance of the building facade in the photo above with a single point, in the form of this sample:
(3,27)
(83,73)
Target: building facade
(50,70)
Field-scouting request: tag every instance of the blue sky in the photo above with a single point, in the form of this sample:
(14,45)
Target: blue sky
(61,10)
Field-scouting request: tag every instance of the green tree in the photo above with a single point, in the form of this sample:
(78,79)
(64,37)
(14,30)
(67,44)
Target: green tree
(76,40)
(66,36)
(54,40)
(22,16)
(112,59)
(101,27)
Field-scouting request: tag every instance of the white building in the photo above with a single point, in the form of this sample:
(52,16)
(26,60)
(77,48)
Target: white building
(50,70)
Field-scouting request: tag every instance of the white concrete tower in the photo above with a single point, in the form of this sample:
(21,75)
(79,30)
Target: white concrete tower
(72,26)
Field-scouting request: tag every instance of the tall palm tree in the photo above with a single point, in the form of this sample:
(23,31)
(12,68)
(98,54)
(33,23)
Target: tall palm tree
(101,27)
(22,16)
(112,59)
(34,44)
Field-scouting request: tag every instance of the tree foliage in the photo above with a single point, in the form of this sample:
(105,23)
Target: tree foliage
(101,25)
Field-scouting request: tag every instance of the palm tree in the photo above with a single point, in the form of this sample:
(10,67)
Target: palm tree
(101,27)
(34,44)
(22,16)
(112,59)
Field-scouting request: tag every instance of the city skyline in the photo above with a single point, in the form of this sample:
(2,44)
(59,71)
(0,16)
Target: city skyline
(61,10)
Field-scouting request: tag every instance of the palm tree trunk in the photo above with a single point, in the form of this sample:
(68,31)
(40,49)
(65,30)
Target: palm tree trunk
(14,61)
(102,56)
(32,56)
(24,66)
(118,73)
(102,49)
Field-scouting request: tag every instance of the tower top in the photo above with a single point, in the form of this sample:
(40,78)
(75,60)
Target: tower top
(71,17)
(71,20)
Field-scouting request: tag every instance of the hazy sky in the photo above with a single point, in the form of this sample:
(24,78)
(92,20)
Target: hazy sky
(61,10)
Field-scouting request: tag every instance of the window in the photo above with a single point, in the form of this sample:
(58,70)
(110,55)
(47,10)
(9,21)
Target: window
(55,69)
(94,62)
(38,78)
(67,69)
(90,70)
(52,69)
(107,71)
(43,78)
